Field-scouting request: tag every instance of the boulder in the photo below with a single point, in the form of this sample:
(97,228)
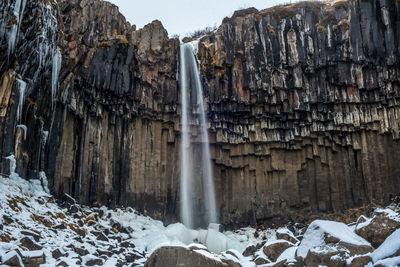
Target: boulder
(378,230)
(250,250)
(29,244)
(332,257)
(180,256)
(12,258)
(57,254)
(94,262)
(360,261)
(286,235)
(274,249)
(331,238)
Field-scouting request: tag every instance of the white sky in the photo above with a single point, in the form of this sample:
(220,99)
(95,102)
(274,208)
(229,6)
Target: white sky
(185,16)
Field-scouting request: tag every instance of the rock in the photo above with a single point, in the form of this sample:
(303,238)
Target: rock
(131,257)
(378,230)
(100,253)
(60,227)
(286,236)
(73,209)
(336,257)
(275,249)
(29,244)
(7,220)
(35,236)
(331,238)
(127,244)
(360,261)
(12,259)
(57,254)
(62,263)
(81,251)
(102,237)
(180,256)
(260,261)
(252,249)
(93,262)
(33,258)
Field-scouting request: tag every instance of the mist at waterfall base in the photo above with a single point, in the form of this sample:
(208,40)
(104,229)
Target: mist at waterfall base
(198,205)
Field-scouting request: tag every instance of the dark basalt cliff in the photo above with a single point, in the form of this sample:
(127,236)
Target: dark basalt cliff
(302,103)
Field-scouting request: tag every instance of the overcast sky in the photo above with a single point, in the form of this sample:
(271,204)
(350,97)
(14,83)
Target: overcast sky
(185,16)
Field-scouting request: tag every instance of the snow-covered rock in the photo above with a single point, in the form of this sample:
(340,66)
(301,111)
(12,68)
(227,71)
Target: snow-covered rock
(378,229)
(321,233)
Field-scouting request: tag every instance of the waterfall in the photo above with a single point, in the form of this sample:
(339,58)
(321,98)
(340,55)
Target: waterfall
(192,89)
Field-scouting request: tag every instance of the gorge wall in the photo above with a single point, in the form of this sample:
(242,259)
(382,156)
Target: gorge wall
(302,105)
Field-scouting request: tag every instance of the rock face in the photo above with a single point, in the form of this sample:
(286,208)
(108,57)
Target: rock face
(302,102)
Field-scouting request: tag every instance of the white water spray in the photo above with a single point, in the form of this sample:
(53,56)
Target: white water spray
(190,77)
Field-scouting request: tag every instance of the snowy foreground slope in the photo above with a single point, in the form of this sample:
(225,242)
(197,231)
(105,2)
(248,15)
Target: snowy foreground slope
(36,230)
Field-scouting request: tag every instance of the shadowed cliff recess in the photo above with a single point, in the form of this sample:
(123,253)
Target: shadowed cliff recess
(302,102)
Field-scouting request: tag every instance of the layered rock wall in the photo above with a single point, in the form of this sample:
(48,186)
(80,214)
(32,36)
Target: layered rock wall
(302,104)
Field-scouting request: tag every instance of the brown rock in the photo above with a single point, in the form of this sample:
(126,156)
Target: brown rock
(57,254)
(273,251)
(252,249)
(260,261)
(180,256)
(360,261)
(287,237)
(35,236)
(29,244)
(93,262)
(378,230)
(331,258)
(34,260)
(14,260)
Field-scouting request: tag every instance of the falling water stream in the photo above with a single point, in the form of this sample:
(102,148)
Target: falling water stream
(191,84)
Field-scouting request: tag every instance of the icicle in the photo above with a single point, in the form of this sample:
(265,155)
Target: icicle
(13,163)
(22,89)
(55,72)
(21,16)
(24,128)
(45,135)
(13,33)
(45,183)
